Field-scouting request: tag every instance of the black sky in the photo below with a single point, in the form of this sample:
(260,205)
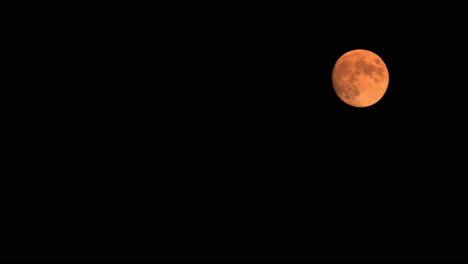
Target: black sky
(214,131)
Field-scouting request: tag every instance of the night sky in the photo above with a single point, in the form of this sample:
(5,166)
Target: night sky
(214,132)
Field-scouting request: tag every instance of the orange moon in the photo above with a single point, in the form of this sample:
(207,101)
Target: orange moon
(360,78)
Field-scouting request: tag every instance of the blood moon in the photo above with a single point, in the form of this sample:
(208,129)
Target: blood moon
(360,78)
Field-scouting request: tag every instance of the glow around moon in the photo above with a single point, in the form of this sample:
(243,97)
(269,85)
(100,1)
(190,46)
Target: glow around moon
(360,78)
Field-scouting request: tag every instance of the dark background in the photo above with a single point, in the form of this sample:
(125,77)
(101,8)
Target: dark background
(199,131)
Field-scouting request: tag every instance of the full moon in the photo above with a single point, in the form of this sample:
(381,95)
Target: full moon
(360,78)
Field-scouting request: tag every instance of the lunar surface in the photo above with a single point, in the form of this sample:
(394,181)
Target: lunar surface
(360,78)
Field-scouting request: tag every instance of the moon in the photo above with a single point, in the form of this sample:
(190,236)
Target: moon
(360,78)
